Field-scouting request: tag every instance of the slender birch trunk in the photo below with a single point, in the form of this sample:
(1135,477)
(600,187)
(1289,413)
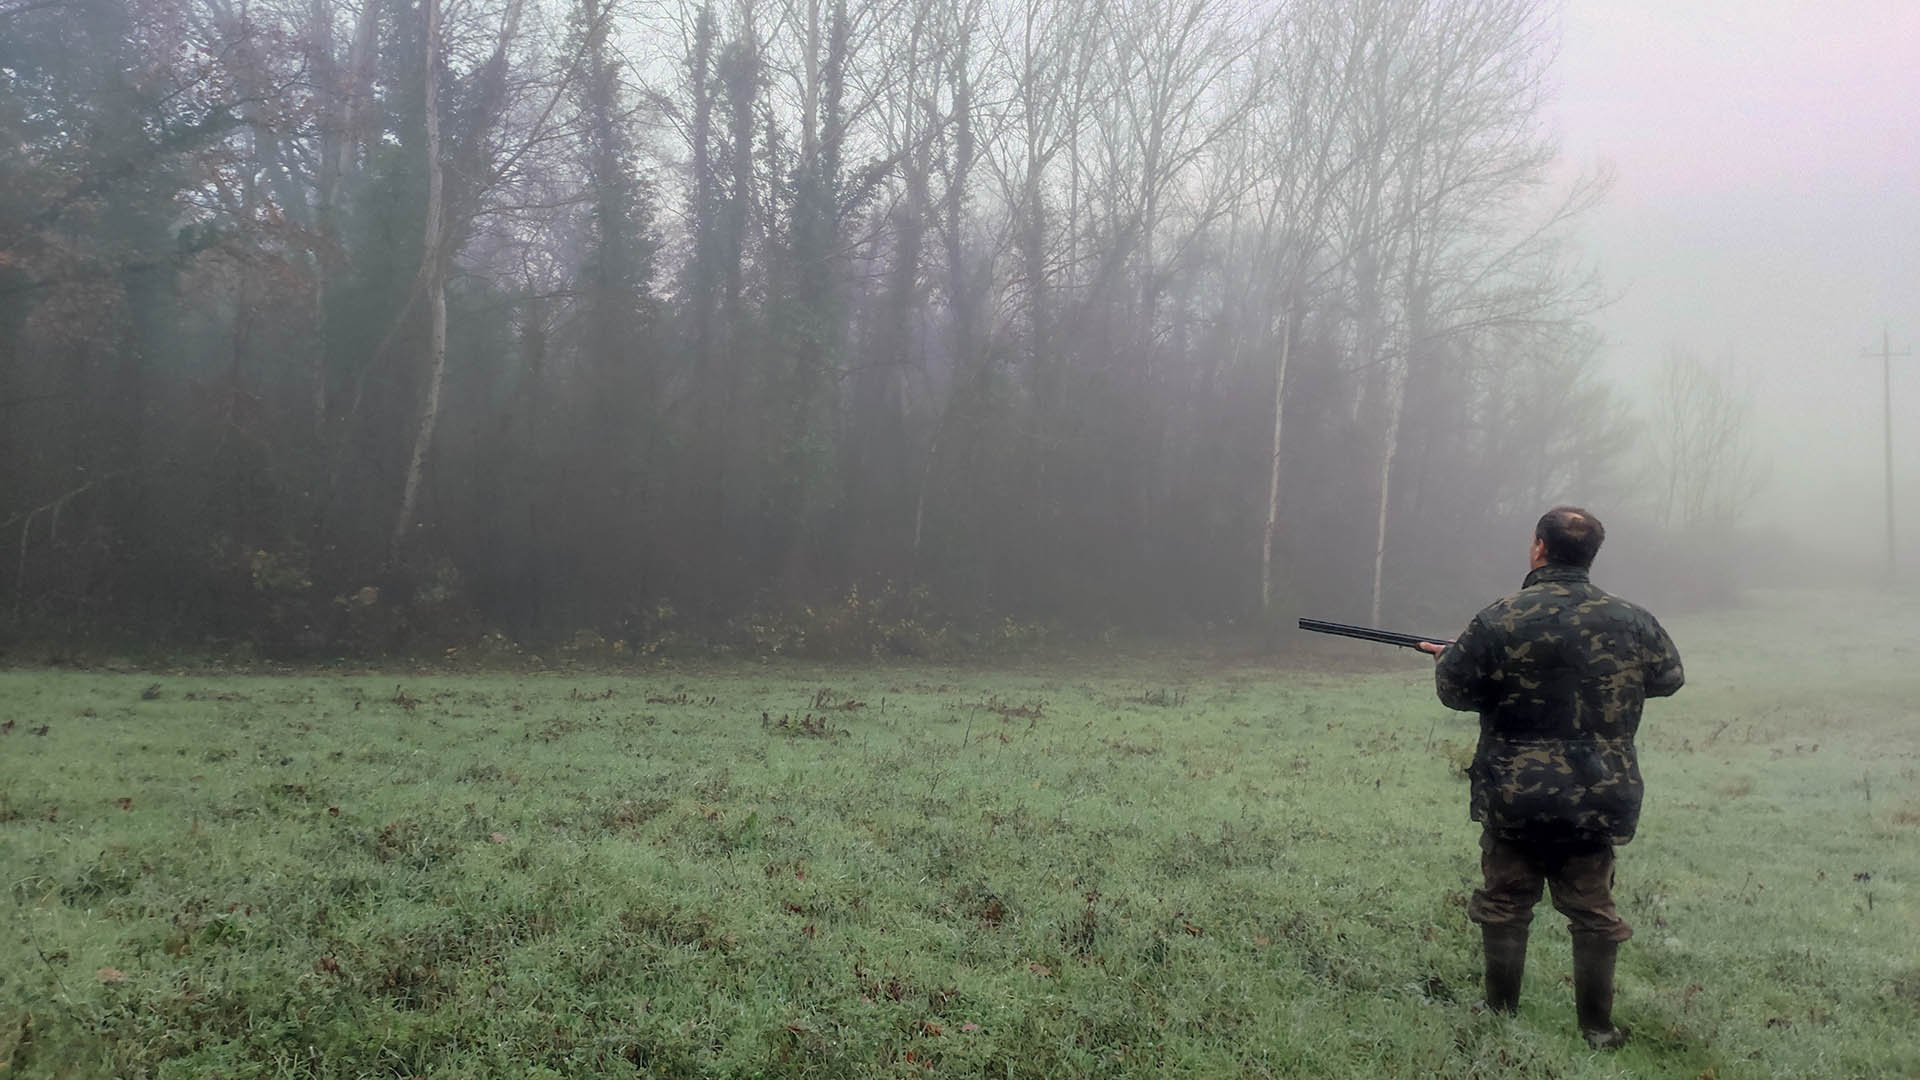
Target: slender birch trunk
(1396,401)
(1415,329)
(433,276)
(1273,464)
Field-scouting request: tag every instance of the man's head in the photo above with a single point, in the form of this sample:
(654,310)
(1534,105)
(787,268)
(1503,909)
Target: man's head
(1567,536)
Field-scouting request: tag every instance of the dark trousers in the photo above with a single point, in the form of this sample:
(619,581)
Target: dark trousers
(1514,870)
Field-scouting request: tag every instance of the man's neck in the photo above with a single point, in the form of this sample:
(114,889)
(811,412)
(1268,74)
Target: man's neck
(1556,572)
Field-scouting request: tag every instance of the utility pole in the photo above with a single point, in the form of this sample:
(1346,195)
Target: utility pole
(1887,355)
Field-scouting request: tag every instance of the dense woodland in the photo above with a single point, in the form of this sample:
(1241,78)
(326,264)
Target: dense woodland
(797,325)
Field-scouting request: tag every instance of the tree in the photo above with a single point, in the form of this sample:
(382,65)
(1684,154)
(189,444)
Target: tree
(1700,441)
(1460,120)
(432,282)
(1041,308)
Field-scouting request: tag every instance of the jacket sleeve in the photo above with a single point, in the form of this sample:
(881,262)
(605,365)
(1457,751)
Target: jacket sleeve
(1463,673)
(1664,673)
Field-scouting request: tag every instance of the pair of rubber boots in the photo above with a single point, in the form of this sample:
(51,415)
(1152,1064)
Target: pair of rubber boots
(1593,961)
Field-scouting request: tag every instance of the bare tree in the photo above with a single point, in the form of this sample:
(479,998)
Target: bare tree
(432,282)
(1700,441)
(488,165)
(1055,308)
(1305,160)
(1457,104)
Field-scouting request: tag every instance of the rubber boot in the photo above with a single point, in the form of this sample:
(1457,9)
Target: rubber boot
(1506,950)
(1593,960)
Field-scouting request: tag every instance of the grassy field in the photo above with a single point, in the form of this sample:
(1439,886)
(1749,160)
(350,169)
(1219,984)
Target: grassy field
(1163,867)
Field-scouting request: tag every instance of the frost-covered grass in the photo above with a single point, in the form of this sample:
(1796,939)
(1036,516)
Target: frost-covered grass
(1165,868)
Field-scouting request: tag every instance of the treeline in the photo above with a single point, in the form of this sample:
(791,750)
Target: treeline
(776,321)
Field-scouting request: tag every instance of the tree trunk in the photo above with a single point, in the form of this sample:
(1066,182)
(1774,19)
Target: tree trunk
(1273,464)
(1413,343)
(333,100)
(358,90)
(1396,399)
(434,279)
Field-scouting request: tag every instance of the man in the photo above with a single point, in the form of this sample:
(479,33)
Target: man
(1557,673)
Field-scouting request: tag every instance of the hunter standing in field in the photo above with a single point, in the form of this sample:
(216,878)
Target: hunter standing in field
(1558,673)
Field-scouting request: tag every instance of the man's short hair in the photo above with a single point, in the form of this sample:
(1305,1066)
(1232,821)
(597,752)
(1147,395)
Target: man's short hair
(1571,534)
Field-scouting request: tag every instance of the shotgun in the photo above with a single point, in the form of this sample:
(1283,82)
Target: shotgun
(1367,633)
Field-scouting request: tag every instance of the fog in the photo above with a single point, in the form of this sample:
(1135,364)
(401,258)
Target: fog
(1765,206)
(871,326)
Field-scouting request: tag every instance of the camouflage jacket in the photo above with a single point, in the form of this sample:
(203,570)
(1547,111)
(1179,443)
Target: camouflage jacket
(1558,673)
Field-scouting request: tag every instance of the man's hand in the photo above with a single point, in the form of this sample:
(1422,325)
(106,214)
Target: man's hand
(1430,647)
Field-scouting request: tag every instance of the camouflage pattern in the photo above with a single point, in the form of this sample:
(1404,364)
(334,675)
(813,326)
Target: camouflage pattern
(1558,673)
(1515,875)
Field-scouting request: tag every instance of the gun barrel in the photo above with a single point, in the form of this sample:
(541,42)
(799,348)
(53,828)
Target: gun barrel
(1368,633)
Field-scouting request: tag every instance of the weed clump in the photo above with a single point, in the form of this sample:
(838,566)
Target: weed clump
(808,726)
(626,815)
(1030,710)
(1163,698)
(983,906)
(409,843)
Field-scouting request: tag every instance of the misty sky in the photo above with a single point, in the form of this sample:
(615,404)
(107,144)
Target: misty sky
(1767,202)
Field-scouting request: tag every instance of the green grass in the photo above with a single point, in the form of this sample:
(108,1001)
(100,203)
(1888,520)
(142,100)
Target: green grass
(1173,867)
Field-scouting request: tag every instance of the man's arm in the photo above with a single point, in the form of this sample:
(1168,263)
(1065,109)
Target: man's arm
(1462,670)
(1664,673)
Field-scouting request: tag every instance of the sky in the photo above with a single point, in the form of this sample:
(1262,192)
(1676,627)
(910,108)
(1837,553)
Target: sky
(1765,206)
